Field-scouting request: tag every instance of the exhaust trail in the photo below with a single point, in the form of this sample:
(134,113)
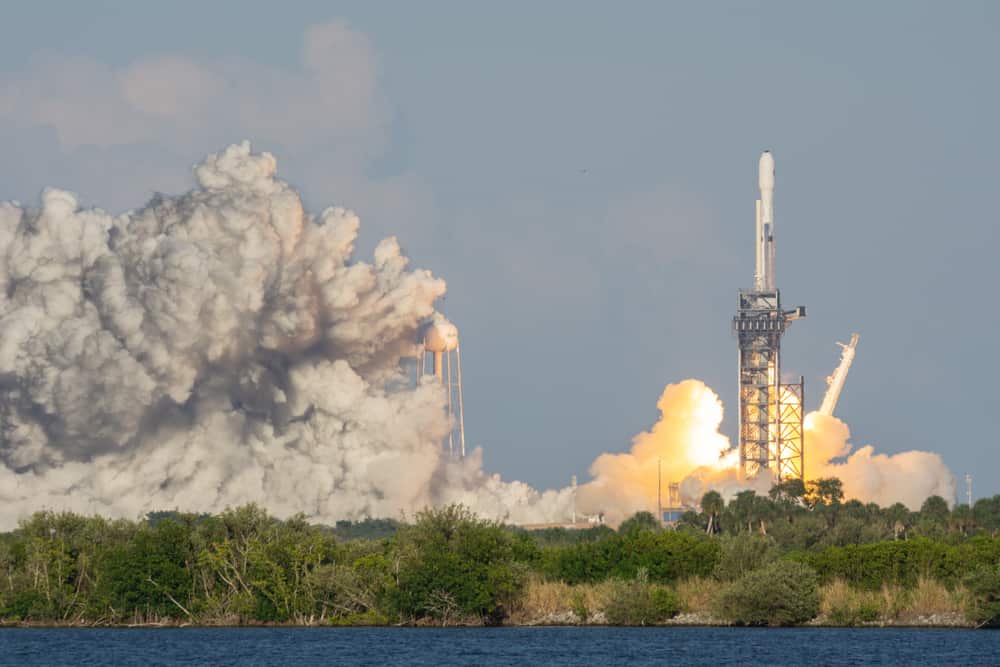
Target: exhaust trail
(221,347)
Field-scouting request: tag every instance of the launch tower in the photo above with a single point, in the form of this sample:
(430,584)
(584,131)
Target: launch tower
(771,434)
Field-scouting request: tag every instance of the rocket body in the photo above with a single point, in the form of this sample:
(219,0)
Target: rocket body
(764,244)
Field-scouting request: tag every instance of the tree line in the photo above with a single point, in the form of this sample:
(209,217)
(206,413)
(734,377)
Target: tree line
(767,556)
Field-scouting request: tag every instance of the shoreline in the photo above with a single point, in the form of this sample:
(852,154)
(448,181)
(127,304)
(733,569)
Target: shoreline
(933,622)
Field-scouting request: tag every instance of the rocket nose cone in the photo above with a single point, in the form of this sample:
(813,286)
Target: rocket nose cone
(766,171)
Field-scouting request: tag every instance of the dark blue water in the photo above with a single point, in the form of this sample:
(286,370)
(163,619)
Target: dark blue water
(502,646)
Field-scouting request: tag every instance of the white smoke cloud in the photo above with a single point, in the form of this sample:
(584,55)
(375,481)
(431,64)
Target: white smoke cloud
(907,477)
(216,348)
(686,438)
(686,447)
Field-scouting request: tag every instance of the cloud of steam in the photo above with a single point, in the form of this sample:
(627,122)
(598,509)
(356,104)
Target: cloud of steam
(907,477)
(688,448)
(216,348)
(685,439)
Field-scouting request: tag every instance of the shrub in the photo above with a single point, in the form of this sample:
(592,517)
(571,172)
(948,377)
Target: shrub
(739,555)
(984,596)
(667,556)
(639,521)
(23,606)
(845,606)
(367,618)
(698,594)
(869,566)
(546,598)
(585,562)
(580,606)
(542,598)
(931,597)
(149,574)
(639,602)
(782,593)
(456,567)
(865,612)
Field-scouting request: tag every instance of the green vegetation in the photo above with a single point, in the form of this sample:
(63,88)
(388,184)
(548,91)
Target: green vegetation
(639,602)
(799,553)
(452,566)
(740,555)
(780,593)
(984,595)
(667,556)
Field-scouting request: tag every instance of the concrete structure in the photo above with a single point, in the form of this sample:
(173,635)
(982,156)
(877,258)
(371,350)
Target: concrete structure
(672,512)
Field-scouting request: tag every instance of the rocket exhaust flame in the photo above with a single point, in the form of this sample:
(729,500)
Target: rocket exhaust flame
(687,441)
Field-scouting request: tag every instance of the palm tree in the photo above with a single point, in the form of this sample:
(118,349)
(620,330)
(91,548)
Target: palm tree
(787,496)
(824,496)
(712,504)
(960,520)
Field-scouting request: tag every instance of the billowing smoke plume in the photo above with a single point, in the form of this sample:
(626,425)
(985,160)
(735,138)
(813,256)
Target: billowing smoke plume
(685,446)
(907,477)
(216,348)
(684,442)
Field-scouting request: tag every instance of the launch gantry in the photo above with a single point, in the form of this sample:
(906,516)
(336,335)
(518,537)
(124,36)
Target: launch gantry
(771,434)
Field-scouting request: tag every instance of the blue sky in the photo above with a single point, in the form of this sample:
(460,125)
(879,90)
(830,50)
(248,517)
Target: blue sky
(583,176)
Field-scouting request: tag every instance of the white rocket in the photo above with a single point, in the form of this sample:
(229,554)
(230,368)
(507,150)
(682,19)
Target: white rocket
(764,276)
(835,383)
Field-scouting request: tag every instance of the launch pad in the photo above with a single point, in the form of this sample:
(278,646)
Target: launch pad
(771,434)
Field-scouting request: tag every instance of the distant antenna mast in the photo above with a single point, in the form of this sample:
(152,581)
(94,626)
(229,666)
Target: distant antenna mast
(835,383)
(659,488)
(572,481)
(968,489)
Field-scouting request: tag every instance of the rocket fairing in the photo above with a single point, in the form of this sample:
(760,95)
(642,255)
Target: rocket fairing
(764,243)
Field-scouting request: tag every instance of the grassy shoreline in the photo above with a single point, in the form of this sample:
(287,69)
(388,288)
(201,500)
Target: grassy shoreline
(928,604)
(448,567)
(676,624)
(557,604)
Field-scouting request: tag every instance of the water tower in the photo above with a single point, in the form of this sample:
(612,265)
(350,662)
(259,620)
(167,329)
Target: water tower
(441,357)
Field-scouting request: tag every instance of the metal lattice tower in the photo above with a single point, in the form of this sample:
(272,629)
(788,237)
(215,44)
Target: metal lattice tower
(771,434)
